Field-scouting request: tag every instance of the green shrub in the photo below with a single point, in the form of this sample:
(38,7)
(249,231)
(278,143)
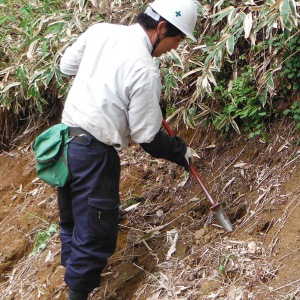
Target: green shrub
(294,113)
(290,73)
(41,239)
(242,106)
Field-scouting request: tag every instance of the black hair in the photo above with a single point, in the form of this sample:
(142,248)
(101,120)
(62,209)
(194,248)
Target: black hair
(149,23)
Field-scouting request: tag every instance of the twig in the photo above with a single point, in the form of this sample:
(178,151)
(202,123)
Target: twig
(290,162)
(286,215)
(225,169)
(286,285)
(288,254)
(151,275)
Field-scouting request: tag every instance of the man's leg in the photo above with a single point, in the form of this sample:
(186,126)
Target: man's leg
(95,201)
(66,222)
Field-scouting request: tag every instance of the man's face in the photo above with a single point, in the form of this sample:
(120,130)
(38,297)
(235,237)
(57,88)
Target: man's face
(167,44)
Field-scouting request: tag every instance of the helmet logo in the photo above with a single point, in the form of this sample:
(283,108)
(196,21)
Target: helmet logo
(178,13)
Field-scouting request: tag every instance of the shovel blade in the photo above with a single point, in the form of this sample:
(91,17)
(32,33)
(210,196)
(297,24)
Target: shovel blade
(223,220)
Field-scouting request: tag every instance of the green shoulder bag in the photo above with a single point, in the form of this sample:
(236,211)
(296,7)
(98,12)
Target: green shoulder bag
(51,149)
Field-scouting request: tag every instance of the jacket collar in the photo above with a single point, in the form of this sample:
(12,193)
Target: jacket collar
(141,33)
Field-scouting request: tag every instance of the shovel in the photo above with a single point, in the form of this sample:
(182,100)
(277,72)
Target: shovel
(215,207)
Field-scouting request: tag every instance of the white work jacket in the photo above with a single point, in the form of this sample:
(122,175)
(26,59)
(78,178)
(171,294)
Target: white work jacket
(115,94)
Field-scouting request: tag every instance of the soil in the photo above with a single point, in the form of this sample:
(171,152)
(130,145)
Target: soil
(169,245)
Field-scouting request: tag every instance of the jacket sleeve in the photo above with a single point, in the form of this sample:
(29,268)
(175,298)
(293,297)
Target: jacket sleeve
(70,61)
(167,147)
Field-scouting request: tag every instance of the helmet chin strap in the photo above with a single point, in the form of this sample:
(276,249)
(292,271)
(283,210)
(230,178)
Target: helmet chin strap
(158,40)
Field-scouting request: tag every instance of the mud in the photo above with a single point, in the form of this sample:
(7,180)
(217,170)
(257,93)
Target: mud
(256,181)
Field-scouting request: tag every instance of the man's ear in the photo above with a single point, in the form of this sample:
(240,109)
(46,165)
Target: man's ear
(162,27)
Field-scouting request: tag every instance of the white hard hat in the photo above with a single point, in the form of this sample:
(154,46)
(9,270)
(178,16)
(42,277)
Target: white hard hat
(181,13)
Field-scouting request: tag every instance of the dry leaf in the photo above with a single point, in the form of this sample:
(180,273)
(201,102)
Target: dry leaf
(284,146)
(241,165)
(210,146)
(252,247)
(174,242)
(248,25)
(132,207)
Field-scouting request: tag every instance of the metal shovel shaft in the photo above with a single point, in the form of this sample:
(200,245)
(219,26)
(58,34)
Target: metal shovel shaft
(197,177)
(215,207)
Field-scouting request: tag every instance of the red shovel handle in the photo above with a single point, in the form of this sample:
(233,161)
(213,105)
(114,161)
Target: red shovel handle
(168,128)
(213,203)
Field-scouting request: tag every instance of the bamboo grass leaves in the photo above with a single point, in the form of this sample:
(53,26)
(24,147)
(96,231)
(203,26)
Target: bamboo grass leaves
(33,36)
(231,35)
(249,21)
(288,14)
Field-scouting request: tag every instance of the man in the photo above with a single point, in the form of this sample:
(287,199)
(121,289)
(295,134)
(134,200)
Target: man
(114,99)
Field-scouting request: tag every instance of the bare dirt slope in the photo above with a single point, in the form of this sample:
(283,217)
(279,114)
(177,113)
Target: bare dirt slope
(169,245)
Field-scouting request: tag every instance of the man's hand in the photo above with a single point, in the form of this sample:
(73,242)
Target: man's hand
(190,154)
(172,148)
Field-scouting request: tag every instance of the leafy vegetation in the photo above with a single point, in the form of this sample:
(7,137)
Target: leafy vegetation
(291,66)
(42,237)
(245,59)
(242,70)
(294,112)
(242,106)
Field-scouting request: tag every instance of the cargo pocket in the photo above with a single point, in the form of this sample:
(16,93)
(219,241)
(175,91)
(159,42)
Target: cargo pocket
(103,217)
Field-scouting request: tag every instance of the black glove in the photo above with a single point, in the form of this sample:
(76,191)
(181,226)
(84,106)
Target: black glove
(167,147)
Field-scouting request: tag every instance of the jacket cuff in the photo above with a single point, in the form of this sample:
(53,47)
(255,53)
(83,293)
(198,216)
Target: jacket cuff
(167,147)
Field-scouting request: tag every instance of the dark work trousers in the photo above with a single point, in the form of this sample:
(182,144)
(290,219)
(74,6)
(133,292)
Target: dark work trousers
(89,212)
